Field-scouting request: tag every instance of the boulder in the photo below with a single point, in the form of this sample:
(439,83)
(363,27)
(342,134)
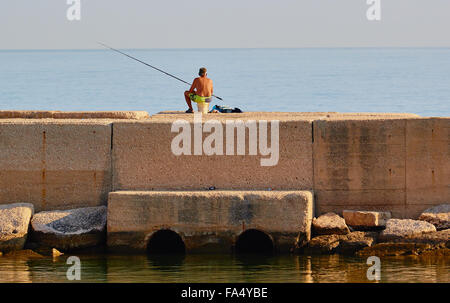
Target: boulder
(355,241)
(402,228)
(325,244)
(330,224)
(14,222)
(70,229)
(366,220)
(343,244)
(439,216)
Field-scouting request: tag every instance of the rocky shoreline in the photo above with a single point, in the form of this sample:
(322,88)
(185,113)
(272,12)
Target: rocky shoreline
(360,233)
(370,233)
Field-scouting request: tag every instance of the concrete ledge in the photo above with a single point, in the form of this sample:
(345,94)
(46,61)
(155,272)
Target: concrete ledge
(208,220)
(29,114)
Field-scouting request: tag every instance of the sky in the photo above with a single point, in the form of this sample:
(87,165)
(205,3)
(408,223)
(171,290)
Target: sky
(43,24)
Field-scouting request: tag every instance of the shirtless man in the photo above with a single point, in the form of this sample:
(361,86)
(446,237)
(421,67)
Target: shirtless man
(200,91)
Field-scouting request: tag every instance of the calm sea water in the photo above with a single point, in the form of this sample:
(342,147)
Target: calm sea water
(224,268)
(344,80)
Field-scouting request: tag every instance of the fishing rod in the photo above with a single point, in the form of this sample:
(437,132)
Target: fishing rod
(160,70)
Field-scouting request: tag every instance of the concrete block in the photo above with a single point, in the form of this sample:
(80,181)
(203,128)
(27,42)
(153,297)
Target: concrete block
(55,164)
(143,159)
(427,161)
(208,218)
(359,162)
(365,219)
(14,223)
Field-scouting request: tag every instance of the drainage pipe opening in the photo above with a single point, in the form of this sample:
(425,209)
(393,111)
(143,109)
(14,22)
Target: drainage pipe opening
(165,241)
(254,241)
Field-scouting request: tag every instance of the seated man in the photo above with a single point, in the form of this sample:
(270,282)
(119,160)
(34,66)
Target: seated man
(201,90)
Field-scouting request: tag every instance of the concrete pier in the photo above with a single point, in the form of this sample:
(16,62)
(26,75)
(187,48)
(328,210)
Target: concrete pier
(382,162)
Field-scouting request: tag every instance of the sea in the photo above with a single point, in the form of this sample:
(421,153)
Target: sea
(224,268)
(396,80)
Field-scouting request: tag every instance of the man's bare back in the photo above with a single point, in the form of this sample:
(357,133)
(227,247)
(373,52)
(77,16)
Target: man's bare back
(202,86)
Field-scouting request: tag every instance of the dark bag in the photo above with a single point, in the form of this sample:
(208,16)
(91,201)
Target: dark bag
(226,109)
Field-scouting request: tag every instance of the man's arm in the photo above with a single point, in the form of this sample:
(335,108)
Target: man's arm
(212,88)
(193,86)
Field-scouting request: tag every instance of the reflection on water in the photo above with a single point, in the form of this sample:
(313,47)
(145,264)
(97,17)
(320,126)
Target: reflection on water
(224,268)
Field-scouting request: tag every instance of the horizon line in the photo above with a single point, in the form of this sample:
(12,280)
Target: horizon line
(227,48)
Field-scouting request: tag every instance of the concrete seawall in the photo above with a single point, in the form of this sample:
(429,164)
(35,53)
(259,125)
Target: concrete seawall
(395,162)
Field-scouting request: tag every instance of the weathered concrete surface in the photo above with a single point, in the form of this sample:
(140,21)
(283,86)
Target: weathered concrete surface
(70,229)
(365,219)
(360,164)
(55,114)
(427,164)
(291,115)
(55,164)
(162,170)
(397,164)
(208,220)
(329,224)
(143,158)
(14,221)
(439,216)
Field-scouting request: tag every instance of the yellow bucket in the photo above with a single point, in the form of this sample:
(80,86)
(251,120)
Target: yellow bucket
(203,107)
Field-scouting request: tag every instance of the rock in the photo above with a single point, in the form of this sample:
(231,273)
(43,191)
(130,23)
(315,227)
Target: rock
(14,222)
(439,216)
(439,238)
(366,220)
(31,245)
(70,229)
(394,249)
(47,251)
(330,224)
(355,241)
(344,244)
(401,228)
(56,253)
(433,243)
(325,244)
(23,254)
